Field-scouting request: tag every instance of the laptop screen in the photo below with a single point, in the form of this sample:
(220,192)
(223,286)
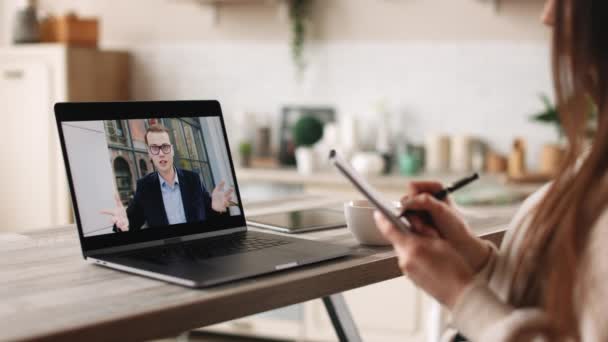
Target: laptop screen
(137,178)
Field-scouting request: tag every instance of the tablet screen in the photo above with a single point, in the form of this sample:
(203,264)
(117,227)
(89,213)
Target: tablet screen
(300,220)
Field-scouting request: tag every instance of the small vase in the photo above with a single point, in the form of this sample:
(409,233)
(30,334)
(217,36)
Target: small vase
(245,160)
(368,163)
(516,164)
(25,26)
(305,160)
(551,158)
(495,163)
(409,164)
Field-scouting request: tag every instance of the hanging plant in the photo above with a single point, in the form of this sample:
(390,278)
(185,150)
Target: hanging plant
(298,13)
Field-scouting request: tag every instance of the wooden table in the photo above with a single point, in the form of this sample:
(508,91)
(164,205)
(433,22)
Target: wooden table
(47,291)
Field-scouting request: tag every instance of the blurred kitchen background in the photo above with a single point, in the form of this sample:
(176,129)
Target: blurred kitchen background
(405,88)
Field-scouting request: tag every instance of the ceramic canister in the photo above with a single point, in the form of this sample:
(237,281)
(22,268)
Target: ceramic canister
(437,153)
(460,153)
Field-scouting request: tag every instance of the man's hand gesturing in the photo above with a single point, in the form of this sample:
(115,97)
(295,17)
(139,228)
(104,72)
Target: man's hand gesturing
(118,215)
(220,199)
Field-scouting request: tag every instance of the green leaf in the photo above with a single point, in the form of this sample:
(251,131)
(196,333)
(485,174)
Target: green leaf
(545,99)
(549,116)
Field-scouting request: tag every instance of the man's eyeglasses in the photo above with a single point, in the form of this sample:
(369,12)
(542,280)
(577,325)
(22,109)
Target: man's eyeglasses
(155,149)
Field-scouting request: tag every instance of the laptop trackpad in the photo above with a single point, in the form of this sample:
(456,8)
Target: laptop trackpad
(264,259)
(246,264)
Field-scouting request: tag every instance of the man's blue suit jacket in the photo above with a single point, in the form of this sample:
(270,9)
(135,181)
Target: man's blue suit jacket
(148,207)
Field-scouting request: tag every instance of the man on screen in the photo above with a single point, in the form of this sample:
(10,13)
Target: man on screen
(169,195)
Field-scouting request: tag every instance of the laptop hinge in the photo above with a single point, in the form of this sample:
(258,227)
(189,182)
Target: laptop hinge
(160,242)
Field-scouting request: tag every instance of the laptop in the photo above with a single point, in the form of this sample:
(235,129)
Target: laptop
(155,193)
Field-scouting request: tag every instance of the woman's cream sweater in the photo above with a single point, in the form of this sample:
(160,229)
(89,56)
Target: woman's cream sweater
(482,313)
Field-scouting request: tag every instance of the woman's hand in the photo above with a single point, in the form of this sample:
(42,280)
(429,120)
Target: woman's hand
(443,256)
(445,221)
(429,261)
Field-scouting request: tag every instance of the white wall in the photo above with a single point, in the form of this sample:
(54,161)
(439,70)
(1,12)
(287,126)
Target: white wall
(218,155)
(216,150)
(442,65)
(144,21)
(484,88)
(92,174)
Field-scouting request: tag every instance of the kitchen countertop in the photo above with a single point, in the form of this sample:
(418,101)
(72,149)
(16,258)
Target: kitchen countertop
(393,185)
(290,175)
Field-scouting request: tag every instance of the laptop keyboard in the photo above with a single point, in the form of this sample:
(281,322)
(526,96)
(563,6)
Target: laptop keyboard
(205,249)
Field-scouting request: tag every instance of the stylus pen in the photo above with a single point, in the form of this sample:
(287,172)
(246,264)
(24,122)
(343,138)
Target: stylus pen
(443,193)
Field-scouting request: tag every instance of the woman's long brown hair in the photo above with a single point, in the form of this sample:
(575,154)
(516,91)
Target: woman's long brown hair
(548,266)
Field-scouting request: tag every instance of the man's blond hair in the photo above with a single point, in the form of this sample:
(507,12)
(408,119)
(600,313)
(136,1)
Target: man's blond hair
(157,128)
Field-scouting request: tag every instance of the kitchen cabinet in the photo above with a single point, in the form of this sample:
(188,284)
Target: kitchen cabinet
(32,79)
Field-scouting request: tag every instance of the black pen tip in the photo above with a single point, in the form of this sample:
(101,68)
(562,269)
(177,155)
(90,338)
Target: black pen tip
(332,154)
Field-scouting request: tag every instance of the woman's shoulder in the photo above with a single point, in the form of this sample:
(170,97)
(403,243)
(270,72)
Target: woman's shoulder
(522,216)
(598,239)
(592,290)
(535,198)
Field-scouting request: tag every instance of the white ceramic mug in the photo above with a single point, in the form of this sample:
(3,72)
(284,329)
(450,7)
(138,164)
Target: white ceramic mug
(360,221)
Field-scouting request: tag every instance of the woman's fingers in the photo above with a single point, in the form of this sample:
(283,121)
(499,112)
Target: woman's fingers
(402,242)
(422,227)
(424,187)
(404,199)
(428,203)
(388,230)
(429,262)
(441,215)
(419,187)
(405,245)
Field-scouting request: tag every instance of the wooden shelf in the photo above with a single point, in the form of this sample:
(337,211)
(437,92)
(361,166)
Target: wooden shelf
(495,4)
(215,4)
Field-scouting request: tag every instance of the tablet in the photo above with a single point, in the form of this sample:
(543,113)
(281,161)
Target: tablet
(369,192)
(299,221)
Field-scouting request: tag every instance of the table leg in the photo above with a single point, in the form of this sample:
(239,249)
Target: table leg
(434,322)
(341,318)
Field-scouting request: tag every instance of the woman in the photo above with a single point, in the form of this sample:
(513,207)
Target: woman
(549,281)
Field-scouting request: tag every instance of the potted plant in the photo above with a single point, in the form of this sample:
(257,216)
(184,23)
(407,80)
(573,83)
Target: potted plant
(552,154)
(245,149)
(307,131)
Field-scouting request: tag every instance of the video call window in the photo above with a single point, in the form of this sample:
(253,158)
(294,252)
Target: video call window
(129,156)
(138,174)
